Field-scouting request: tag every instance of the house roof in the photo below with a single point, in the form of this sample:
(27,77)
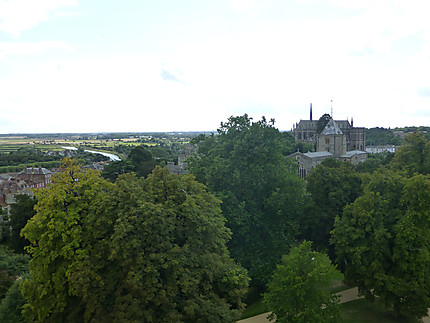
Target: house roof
(35,171)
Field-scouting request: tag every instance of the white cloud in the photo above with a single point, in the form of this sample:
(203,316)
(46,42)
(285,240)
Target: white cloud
(25,48)
(19,15)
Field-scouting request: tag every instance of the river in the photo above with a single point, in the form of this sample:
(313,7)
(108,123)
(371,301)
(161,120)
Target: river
(111,156)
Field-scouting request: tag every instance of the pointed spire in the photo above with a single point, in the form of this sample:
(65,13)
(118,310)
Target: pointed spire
(331,109)
(311,113)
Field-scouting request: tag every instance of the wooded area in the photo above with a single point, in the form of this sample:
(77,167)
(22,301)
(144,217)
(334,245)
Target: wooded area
(141,245)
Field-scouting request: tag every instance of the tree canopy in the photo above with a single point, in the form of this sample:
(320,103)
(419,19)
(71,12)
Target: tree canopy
(414,156)
(137,250)
(139,161)
(299,289)
(383,239)
(332,185)
(261,192)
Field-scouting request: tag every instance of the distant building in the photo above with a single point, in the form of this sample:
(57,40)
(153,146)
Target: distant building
(9,188)
(339,139)
(380,149)
(180,168)
(35,177)
(306,131)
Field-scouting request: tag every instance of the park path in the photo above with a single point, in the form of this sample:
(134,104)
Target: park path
(345,296)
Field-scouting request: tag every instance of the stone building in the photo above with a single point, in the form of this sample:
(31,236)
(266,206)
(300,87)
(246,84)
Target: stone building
(306,131)
(180,168)
(338,139)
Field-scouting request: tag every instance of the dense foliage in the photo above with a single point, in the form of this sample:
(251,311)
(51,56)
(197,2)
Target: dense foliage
(12,266)
(382,137)
(261,191)
(332,185)
(414,156)
(137,250)
(20,212)
(11,305)
(298,291)
(139,161)
(383,240)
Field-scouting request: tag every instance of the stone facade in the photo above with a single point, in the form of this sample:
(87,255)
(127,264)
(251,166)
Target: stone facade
(339,139)
(332,139)
(306,131)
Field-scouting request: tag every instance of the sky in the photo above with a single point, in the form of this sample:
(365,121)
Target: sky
(169,65)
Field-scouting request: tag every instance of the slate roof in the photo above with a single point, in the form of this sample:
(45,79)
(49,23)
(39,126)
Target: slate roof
(318,154)
(331,128)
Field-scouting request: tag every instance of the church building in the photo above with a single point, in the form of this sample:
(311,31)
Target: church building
(339,139)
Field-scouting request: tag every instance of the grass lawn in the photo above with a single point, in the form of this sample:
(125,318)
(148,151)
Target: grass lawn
(364,311)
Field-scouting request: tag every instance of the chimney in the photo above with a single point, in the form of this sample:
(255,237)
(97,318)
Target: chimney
(311,113)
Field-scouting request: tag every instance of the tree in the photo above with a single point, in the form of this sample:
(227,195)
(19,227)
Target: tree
(299,289)
(139,161)
(374,161)
(322,122)
(383,240)
(20,212)
(64,268)
(11,305)
(116,168)
(183,273)
(332,185)
(12,266)
(414,156)
(261,192)
(140,154)
(137,250)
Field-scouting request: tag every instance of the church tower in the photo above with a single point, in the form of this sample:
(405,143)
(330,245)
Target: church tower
(332,139)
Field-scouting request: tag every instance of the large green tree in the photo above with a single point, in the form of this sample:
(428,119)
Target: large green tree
(262,194)
(299,289)
(384,242)
(332,185)
(137,250)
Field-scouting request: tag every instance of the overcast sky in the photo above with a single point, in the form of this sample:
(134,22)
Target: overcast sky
(170,65)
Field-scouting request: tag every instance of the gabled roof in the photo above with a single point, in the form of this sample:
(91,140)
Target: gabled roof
(331,128)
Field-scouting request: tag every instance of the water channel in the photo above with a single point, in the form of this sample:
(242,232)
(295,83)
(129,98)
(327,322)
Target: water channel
(111,156)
